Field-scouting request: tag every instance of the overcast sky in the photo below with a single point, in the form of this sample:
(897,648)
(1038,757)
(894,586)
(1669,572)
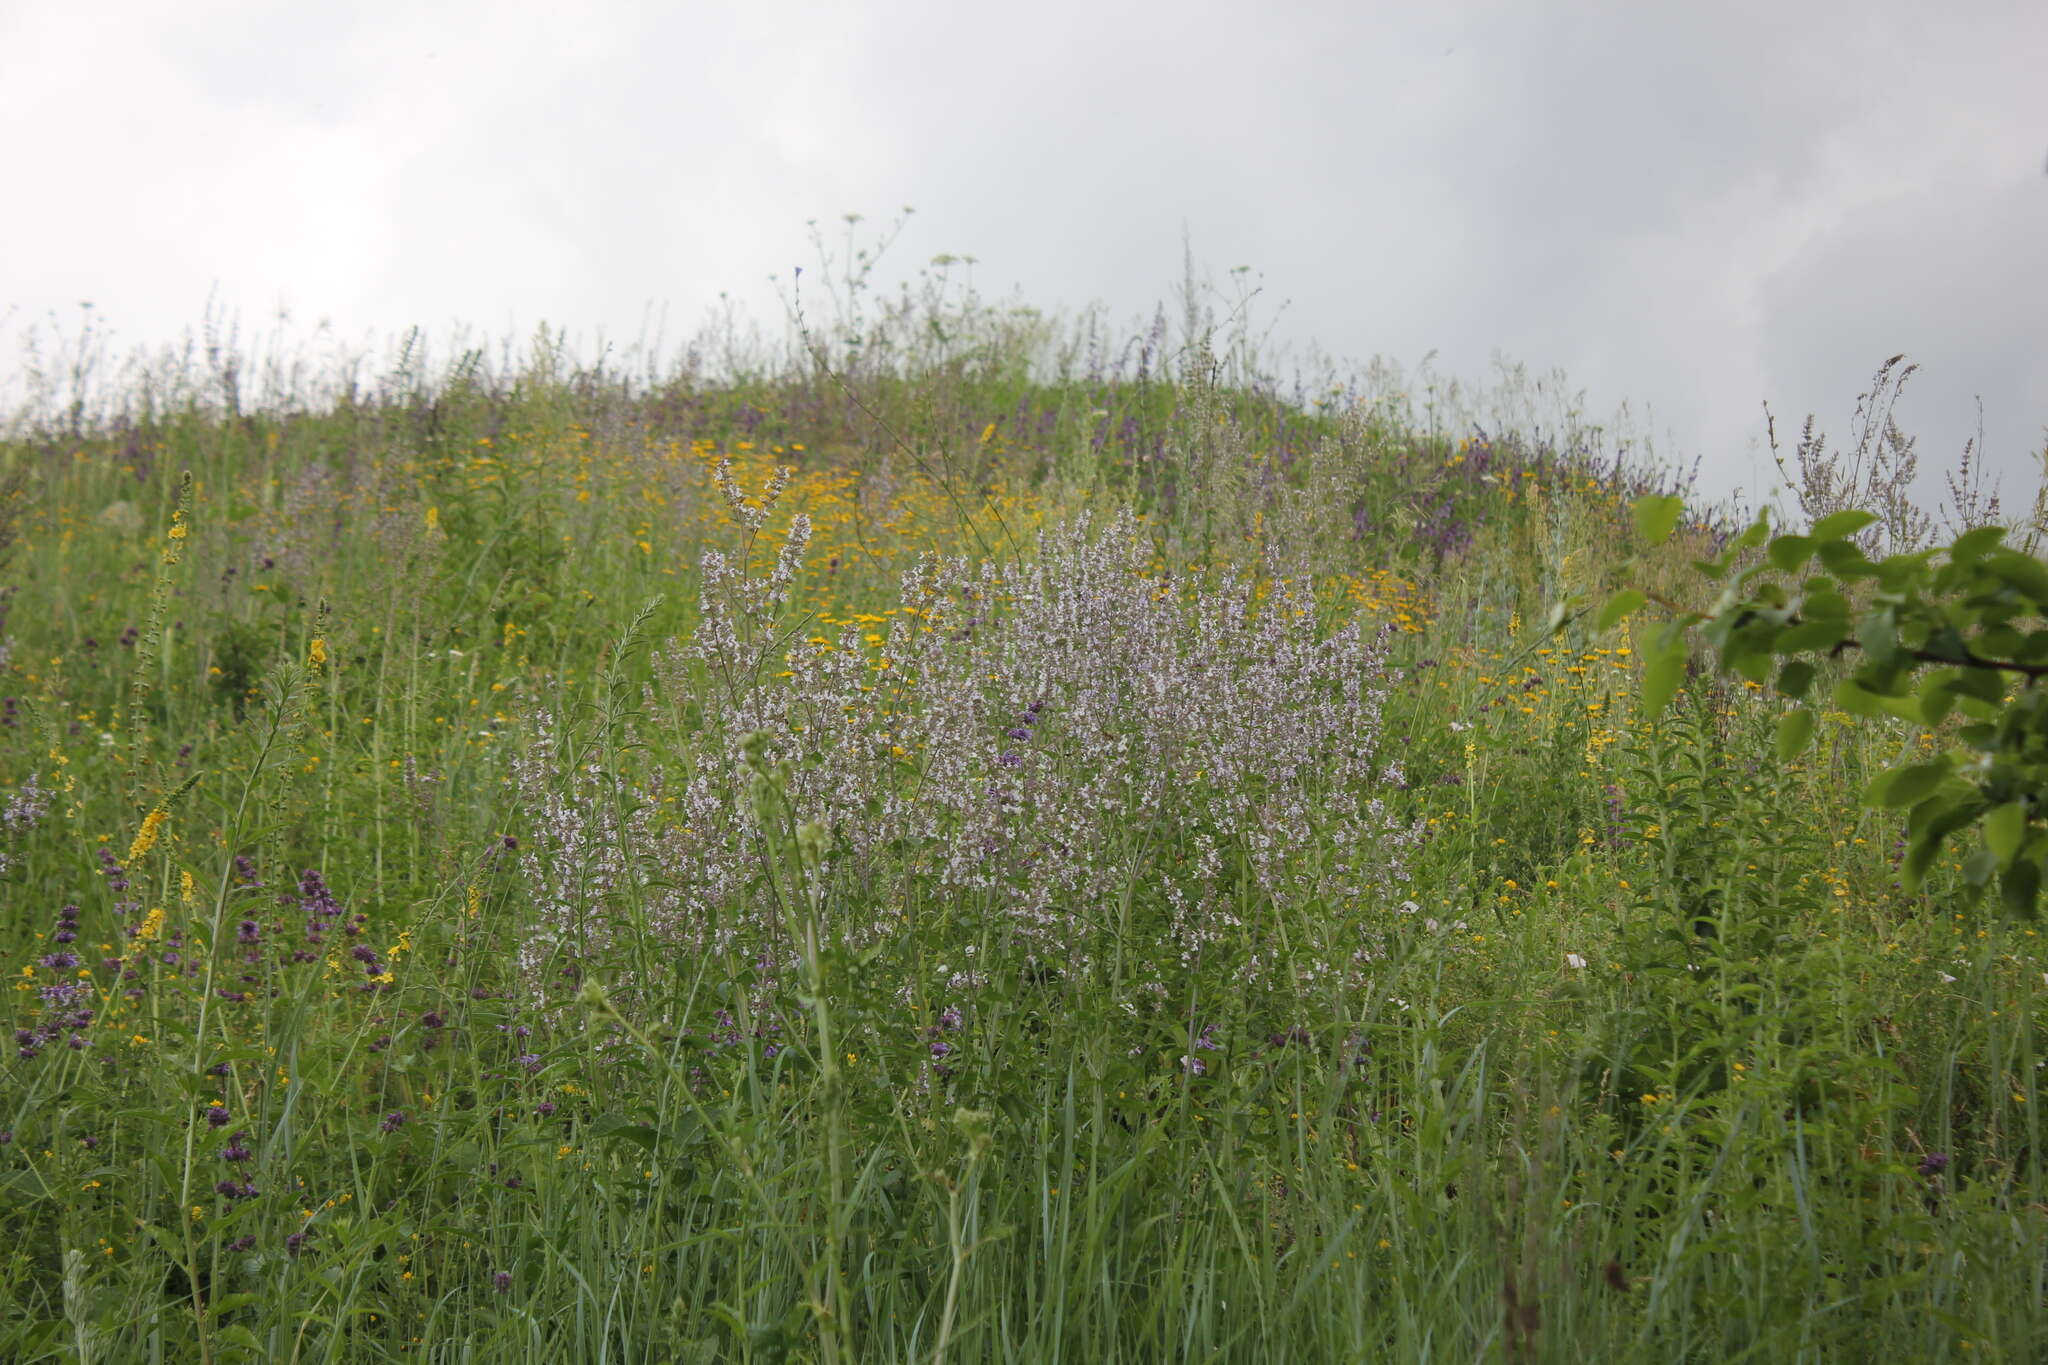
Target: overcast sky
(1691,208)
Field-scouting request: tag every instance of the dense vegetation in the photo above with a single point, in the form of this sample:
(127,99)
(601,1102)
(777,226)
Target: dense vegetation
(963,844)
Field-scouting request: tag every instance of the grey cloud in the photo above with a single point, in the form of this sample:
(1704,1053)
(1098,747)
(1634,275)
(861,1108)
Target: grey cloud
(1687,208)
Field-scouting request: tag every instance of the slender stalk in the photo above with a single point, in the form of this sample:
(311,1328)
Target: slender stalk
(284,700)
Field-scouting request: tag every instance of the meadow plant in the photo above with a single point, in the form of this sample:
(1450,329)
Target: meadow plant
(973,837)
(1022,742)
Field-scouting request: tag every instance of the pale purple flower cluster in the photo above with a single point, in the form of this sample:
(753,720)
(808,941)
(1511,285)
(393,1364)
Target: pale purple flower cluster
(1023,741)
(1024,737)
(26,805)
(576,860)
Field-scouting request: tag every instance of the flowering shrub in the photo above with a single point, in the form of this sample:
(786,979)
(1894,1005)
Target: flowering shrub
(1026,739)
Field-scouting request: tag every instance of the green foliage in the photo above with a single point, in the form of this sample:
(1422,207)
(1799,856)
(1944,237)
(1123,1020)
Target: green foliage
(1950,640)
(1726,978)
(241,651)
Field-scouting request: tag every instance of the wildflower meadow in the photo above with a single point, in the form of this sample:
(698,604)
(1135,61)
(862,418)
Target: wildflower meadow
(973,837)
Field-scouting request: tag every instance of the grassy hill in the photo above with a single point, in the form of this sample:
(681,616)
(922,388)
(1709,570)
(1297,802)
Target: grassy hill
(945,847)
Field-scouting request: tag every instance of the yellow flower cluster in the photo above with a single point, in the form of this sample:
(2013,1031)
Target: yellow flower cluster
(146,837)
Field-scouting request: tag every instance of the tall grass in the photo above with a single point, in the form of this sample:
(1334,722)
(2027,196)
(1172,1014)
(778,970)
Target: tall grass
(963,843)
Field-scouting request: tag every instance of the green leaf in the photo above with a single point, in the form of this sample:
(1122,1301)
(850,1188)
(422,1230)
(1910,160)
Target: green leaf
(2020,571)
(1795,678)
(1982,683)
(239,1338)
(1978,867)
(1842,525)
(1789,552)
(2001,641)
(619,1126)
(1619,606)
(1929,824)
(1752,664)
(1844,559)
(1880,637)
(1818,601)
(2005,829)
(1857,699)
(1756,534)
(168,1240)
(1811,636)
(1910,709)
(1656,517)
(1795,729)
(1907,786)
(1662,673)
(1937,696)
(1919,856)
(2020,886)
(1971,544)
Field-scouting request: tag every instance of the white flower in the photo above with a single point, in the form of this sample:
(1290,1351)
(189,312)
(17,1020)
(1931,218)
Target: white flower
(1574,961)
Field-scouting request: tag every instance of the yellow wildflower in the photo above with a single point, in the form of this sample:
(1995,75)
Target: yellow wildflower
(145,838)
